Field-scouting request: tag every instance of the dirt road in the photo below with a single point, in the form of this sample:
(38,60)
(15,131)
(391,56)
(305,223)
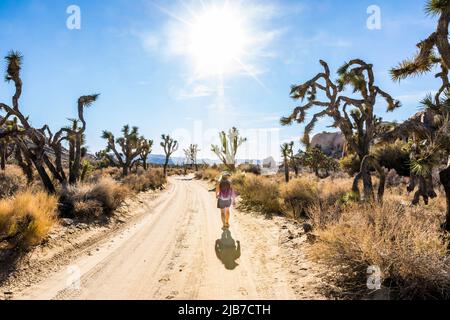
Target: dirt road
(178,251)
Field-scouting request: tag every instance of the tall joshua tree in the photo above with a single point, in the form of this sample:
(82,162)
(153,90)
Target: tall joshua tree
(430,131)
(146,149)
(130,144)
(191,155)
(286,152)
(75,137)
(31,141)
(229,145)
(170,146)
(354,116)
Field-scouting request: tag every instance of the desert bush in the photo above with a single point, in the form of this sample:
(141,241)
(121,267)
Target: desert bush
(394,156)
(211,174)
(405,243)
(151,179)
(332,190)
(91,201)
(250,168)
(299,195)
(11,181)
(350,164)
(393,179)
(238,180)
(112,172)
(261,194)
(26,218)
(199,175)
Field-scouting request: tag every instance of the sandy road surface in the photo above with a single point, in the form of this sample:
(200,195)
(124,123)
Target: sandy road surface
(178,251)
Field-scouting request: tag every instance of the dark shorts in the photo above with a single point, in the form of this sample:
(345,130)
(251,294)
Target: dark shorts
(223,204)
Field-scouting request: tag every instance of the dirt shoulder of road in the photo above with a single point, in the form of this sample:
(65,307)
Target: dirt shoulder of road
(66,242)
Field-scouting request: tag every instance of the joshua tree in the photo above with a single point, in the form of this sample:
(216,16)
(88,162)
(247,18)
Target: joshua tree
(229,145)
(130,144)
(146,149)
(170,146)
(31,141)
(318,161)
(191,155)
(286,152)
(74,136)
(354,116)
(430,131)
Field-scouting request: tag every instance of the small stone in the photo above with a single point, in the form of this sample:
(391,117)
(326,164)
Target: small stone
(66,222)
(307,227)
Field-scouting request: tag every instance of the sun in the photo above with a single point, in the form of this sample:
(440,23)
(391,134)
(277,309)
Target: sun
(217,40)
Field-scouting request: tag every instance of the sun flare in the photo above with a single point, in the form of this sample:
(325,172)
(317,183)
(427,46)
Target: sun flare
(217,40)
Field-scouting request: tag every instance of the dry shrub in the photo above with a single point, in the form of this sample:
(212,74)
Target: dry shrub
(11,181)
(211,174)
(91,201)
(405,243)
(238,180)
(261,194)
(199,175)
(26,219)
(112,172)
(332,190)
(151,179)
(299,195)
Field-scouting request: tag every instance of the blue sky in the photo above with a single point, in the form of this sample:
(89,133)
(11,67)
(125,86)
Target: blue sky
(134,53)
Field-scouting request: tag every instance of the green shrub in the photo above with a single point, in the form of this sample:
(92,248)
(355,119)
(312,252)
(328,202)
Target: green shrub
(394,156)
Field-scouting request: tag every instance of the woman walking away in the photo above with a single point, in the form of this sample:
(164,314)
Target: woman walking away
(225,198)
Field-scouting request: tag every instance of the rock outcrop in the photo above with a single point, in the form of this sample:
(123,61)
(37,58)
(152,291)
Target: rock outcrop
(332,144)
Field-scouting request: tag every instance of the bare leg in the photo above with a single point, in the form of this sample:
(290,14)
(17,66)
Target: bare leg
(227,217)
(223,215)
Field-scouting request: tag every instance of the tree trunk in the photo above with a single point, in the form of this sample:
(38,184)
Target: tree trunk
(3,157)
(286,170)
(27,168)
(445,180)
(46,181)
(166,163)
(125,169)
(75,168)
(145,164)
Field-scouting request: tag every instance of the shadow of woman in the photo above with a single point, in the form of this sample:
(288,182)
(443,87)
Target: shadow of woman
(228,250)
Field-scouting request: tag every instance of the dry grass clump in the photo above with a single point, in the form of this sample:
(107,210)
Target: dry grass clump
(210,174)
(91,201)
(261,194)
(26,218)
(332,190)
(238,180)
(151,179)
(112,172)
(11,181)
(405,243)
(299,195)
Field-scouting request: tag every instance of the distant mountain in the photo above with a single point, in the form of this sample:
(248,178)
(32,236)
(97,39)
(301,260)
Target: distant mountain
(159,160)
